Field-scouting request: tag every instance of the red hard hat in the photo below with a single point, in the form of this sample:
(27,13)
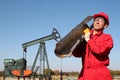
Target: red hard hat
(102,14)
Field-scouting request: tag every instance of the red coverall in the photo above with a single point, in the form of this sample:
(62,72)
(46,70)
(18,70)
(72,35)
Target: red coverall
(94,56)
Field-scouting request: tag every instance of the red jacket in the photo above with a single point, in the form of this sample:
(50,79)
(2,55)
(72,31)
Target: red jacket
(94,55)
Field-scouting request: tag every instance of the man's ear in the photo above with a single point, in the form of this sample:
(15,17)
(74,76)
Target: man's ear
(106,25)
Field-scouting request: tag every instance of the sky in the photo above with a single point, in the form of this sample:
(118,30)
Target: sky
(22,21)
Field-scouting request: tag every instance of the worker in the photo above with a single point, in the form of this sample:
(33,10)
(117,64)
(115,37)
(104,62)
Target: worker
(95,50)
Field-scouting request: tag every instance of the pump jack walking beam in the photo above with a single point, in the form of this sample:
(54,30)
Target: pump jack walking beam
(55,35)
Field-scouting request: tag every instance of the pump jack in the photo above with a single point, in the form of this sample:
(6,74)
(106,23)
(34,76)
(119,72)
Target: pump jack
(42,51)
(18,67)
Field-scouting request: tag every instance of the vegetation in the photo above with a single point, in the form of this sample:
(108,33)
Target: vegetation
(1,73)
(57,72)
(115,72)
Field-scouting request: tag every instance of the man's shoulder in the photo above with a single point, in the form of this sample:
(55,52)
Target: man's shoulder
(105,35)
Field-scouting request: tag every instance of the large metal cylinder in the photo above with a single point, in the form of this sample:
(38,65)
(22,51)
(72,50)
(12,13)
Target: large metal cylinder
(65,46)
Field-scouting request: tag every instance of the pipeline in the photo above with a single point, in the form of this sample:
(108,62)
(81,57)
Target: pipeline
(67,44)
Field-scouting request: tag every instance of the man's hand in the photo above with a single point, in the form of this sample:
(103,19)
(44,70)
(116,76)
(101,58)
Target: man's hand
(86,34)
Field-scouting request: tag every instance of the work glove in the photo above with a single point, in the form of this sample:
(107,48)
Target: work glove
(87,34)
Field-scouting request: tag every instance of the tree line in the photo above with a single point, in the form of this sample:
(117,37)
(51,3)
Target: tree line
(115,72)
(72,73)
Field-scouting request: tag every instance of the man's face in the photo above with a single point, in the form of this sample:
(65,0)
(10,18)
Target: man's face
(99,23)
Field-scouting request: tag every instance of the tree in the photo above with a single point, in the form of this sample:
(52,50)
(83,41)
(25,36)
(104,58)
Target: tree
(56,72)
(48,72)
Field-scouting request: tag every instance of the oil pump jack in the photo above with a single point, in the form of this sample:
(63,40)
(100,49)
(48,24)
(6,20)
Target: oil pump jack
(42,52)
(18,67)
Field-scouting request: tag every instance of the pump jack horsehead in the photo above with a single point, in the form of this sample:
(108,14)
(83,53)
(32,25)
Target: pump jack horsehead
(67,44)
